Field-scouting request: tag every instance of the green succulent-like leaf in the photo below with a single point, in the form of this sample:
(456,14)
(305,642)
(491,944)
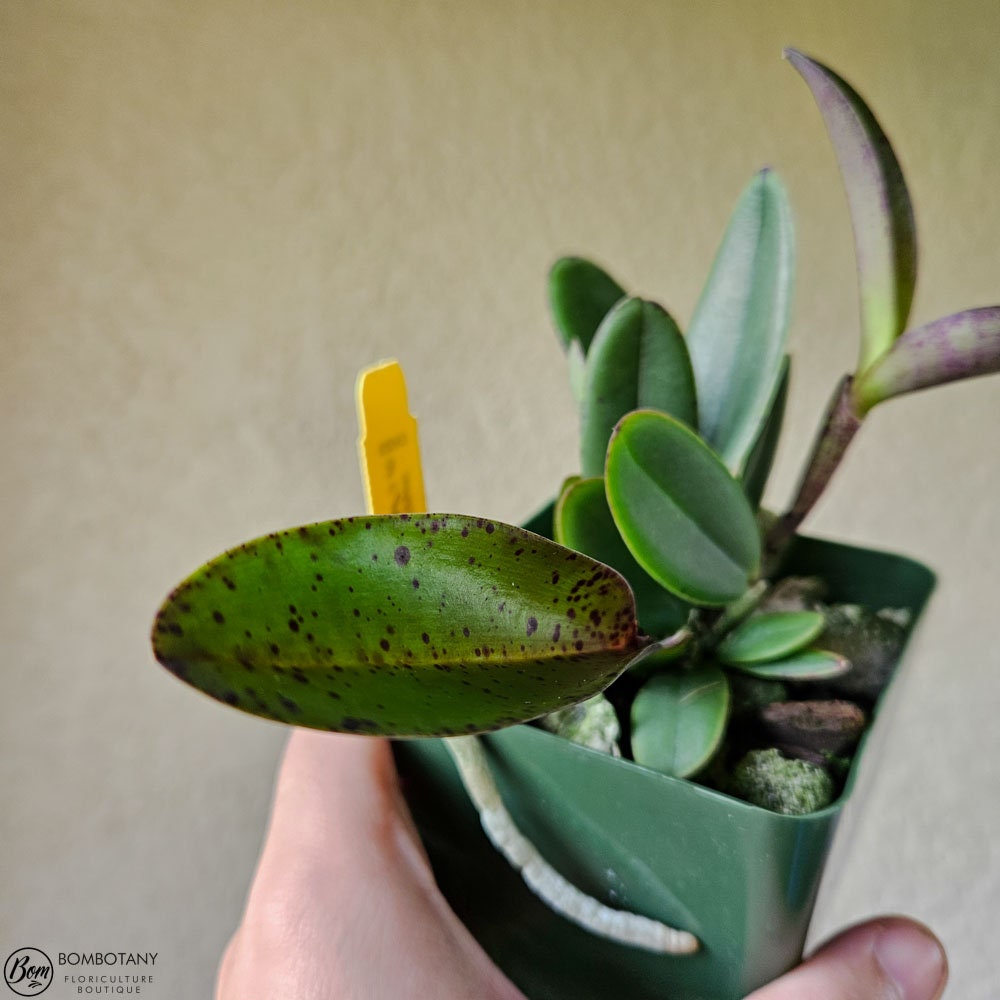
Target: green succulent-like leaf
(770,636)
(399,625)
(682,515)
(583,522)
(576,363)
(638,360)
(581,294)
(740,326)
(679,719)
(655,657)
(805,665)
(955,347)
(761,457)
(885,234)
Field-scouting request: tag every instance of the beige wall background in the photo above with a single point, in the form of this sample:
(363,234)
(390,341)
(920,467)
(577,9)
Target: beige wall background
(214,214)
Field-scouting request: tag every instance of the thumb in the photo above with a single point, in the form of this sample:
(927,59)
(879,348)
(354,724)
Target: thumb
(891,958)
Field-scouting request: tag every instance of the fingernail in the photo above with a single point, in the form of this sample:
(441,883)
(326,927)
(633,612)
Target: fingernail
(913,960)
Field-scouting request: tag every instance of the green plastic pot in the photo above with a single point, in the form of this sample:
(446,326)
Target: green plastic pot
(743,879)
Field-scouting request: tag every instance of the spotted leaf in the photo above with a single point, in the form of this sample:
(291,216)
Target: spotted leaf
(399,625)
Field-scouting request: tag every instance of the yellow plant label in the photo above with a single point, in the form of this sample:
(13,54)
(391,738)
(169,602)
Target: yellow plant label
(390,451)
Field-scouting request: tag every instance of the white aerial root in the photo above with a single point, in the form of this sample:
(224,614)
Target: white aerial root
(559,894)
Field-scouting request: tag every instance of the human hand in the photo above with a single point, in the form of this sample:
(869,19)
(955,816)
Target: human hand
(344,906)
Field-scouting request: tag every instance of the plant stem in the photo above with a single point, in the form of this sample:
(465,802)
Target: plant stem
(734,613)
(839,426)
(677,641)
(554,890)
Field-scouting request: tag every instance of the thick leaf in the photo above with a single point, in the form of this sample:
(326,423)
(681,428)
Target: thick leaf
(576,363)
(761,457)
(655,657)
(805,665)
(406,625)
(959,346)
(638,360)
(583,522)
(580,295)
(683,517)
(679,719)
(885,235)
(739,329)
(770,636)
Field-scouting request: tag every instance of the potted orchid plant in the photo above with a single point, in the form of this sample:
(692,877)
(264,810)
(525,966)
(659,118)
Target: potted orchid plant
(699,677)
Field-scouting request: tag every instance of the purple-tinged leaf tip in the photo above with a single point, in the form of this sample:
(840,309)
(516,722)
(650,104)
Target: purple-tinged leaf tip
(963,345)
(881,214)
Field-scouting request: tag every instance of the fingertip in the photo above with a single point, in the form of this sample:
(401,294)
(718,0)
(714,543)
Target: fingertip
(888,958)
(912,958)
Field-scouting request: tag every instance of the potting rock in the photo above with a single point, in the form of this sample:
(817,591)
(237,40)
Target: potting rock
(592,723)
(872,641)
(813,730)
(792,787)
(794,593)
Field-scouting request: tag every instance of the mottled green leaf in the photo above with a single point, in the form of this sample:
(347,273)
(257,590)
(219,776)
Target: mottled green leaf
(406,625)
(581,294)
(885,235)
(583,522)
(679,719)
(805,665)
(740,325)
(638,360)
(682,515)
(955,347)
(770,636)
(761,457)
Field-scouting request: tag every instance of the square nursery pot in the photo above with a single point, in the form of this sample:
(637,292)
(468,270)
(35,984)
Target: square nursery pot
(743,879)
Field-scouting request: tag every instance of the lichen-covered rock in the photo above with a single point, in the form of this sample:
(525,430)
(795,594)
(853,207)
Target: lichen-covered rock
(871,641)
(750,694)
(792,787)
(592,723)
(794,593)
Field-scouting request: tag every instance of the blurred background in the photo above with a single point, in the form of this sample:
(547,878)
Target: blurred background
(212,215)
